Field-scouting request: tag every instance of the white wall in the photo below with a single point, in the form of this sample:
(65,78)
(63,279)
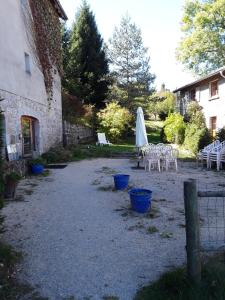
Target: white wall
(213,107)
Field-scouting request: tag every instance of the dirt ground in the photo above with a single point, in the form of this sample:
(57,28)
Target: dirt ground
(81,238)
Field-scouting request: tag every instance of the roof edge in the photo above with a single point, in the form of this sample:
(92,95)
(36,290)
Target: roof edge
(217,72)
(60,9)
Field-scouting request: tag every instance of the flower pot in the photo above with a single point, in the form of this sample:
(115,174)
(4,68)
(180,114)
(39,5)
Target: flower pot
(121,181)
(140,200)
(37,169)
(10,189)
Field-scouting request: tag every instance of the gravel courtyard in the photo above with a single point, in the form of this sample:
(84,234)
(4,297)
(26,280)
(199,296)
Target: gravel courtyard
(80,237)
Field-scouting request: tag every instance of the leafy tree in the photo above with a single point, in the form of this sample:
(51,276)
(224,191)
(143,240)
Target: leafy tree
(88,66)
(161,103)
(202,49)
(114,120)
(196,134)
(130,64)
(174,128)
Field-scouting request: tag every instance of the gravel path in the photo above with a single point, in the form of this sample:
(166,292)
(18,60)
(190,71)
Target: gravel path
(80,237)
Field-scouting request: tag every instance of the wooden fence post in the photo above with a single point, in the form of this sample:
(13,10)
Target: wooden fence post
(192,231)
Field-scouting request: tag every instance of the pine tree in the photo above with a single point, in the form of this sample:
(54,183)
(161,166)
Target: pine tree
(88,66)
(130,65)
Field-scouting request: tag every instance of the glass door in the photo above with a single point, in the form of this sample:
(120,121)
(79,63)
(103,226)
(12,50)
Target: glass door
(27,135)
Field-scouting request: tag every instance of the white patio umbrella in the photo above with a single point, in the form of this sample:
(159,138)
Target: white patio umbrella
(141,135)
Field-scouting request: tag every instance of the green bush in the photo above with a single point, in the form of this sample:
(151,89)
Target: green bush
(197,136)
(221,134)
(114,121)
(57,155)
(193,137)
(174,128)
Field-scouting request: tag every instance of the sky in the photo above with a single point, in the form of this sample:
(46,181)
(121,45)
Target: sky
(159,21)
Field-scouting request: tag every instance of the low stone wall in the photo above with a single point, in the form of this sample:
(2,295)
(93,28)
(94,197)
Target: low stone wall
(76,134)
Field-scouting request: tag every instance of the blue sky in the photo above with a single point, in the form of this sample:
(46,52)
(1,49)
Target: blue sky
(159,21)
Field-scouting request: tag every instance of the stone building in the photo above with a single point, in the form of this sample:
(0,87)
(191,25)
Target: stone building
(32,121)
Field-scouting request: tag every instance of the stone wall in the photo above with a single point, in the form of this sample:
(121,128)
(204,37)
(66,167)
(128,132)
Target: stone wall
(75,134)
(49,131)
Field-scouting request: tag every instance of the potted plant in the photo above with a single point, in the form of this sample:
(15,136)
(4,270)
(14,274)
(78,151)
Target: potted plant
(11,182)
(37,165)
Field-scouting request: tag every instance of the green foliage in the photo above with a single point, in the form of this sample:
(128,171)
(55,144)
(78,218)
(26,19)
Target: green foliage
(114,120)
(13,176)
(57,155)
(87,68)
(193,134)
(196,134)
(175,285)
(174,128)
(221,134)
(202,47)
(195,115)
(38,161)
(161,104)
(130,65)
(75,112)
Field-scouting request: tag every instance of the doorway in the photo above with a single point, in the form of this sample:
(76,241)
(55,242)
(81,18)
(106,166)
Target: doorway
(29,142)
(213,126)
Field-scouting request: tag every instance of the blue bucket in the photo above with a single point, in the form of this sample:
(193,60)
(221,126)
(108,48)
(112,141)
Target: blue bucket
(140,200)
(121,181)
(37,169)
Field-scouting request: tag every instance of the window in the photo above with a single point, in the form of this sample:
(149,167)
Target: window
(27,63)
(214,89)
(193,95)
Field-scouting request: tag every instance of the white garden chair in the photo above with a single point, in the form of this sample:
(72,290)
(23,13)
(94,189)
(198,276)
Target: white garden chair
(102,139)
(217,155)
(171,159)
(203,154)
(152,160)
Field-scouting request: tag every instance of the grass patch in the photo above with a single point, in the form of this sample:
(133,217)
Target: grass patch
(10,288)
(139,225)
(96,182)
(80,152)
(106,188)
(153,213)
(106,170)
(166,235)
(175,285)
(153,129)
(152,229)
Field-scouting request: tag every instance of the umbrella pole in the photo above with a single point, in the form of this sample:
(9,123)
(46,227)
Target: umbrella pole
(138,163)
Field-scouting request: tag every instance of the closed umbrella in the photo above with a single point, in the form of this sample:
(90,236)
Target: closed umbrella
(141,135)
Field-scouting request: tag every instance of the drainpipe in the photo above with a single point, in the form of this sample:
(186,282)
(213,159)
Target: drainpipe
(221,73)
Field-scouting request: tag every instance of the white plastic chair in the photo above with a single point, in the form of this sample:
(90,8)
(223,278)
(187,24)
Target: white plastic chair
(171,158)
(152,160)
(203,154)
(217,155)
(102,139)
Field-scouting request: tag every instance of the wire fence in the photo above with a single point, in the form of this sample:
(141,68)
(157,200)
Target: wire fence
(205,224)
(211,223)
